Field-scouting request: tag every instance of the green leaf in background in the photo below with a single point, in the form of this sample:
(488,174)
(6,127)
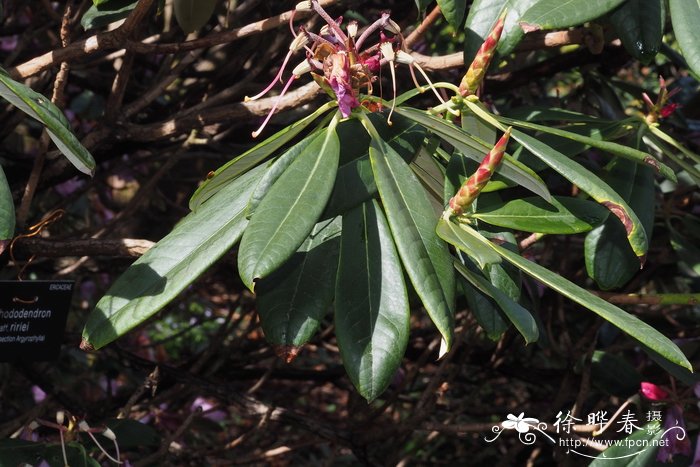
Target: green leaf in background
(290,209)
(465,241)
(585,179)
(191,15)
(462,141)
(519,316)
(453,10)
(685,17)
(105,12)
(172,264)
(642,454)
(612,374)
(563,216)
(422,5)
(412,219)
(293,300)
(481,19)
(629,324)
(616,149)
(640,25)
(559,14)
(42,109)
(249,159)
(371,305)
(7,211)
(487,314)
(609,260)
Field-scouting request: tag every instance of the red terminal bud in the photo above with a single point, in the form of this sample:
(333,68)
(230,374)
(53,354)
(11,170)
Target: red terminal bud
(473,185)
(477,70)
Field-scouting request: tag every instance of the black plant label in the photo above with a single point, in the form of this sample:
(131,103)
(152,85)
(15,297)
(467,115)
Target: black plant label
(33,319)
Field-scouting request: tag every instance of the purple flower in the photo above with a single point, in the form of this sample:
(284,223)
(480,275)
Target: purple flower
(676,440)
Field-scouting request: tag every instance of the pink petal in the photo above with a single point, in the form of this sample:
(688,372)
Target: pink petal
(653,392)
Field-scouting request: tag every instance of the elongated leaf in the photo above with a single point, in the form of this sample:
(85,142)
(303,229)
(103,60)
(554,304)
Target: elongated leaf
(7,211)
(462,141)
(290,209)
(234,168)
(293,300)
(608,260)
(629,324)
(432,175)
(42,109)
(627,152)
(412,219)
(354,183)
(685,17)
(275,171)
(585,179)
(486,312)
(191,15)
(504,276)
(519,316)
(106,12)
(640,25)
(175,262)
(557,14)
(562,216)
(552,114)
(464,241)
(371,306)
(453,10)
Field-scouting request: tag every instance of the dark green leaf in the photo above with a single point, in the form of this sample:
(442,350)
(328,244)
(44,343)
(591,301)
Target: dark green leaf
(371,306)
(485,311)
(191,15)
(105,12)
(412,219)
(585,179)
(276,169)
(609,260)
(42,109)
(631,325)
(422,5)
(616,149)
(467,145)
(562,216)
(7,211)
(249,159)
(453,10)
(640,25)
(685,17)
(519,316)
(614,375)
(18,451)
(176,261)
(559,14)
(293,300)
(481,19)
(354,183)
(290,209)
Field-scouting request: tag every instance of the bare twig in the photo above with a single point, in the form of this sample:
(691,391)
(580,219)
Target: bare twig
(126,247)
